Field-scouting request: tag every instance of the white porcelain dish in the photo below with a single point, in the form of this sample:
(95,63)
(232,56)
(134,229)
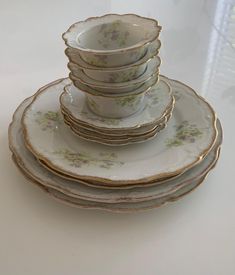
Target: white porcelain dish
(157,102)
(121,87)
(116,74)
(190,135)
(32,168)
(112,40)
(111,92)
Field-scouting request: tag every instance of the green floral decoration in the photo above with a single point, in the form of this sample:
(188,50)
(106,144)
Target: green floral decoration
(106,121)
(48,120)
(128,101)
(79,159)
(112,33)
(97,60)
(185,133)
(123,76)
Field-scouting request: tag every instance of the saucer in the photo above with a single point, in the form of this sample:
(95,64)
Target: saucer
(190,135)
(117,132)
(157,101)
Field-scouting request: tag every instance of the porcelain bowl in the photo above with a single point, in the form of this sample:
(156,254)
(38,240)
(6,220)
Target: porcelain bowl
(115,107)
(116,74)
(135,89)
(112,40)
(126,86)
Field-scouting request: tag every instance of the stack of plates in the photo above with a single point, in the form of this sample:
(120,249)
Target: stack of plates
(123,179)
(141,126)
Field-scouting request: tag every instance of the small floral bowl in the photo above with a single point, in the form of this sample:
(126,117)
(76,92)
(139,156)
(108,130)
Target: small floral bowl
(116,74)
(106,91)
(115,107)
(112,40)
(126,86)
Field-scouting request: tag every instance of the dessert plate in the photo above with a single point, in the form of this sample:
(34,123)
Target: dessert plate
(32,168)
(115,141)
(114,132)
(112,136)
(158,100)
(189,137)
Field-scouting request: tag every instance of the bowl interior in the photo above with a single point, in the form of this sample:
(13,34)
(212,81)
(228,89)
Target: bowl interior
(112,35)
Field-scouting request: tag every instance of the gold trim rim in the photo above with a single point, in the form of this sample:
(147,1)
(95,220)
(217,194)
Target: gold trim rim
(110,69)
(132,129)
(117,51)
(171,198)
(107,181)
(116,94)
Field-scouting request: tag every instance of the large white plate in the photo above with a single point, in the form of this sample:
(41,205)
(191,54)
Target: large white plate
(32,168)
(115,207)
(190,135)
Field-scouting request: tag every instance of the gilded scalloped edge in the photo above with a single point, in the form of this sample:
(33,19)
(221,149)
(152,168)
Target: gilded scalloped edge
(98,93)
(118,130)
(118,50)
(104,207)
(110,69)
(108,182)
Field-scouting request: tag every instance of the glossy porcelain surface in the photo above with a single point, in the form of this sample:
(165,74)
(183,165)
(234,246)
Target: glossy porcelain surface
(116,74)
(190,135)
(123,86)
(116,107)
(126,90)
(112,40)
(157,101)
(110,132)
(81,190)
(113,207)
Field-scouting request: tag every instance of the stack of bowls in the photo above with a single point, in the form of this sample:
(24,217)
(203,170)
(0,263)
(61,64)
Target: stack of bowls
(113,60)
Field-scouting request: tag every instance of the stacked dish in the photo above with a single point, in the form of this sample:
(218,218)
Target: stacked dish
(114,66)
(138,176)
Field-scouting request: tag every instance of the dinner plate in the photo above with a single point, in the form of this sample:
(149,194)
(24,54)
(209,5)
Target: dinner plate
(114,207)
(189,137)
(32,168)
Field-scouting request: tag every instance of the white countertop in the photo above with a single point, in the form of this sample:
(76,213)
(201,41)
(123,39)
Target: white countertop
(195,235)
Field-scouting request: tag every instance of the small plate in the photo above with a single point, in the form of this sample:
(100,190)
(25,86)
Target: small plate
(158,100)
(116,132)
(90,131)
(190,135)
(117,141)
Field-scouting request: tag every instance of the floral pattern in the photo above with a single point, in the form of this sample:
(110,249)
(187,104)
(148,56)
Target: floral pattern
(129,101)
(107,121)
(176,95)
(48,120)
(97,60)
(94,106)
(123,76)
(185,133)
(152,97)
(79,159)
(112,33)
